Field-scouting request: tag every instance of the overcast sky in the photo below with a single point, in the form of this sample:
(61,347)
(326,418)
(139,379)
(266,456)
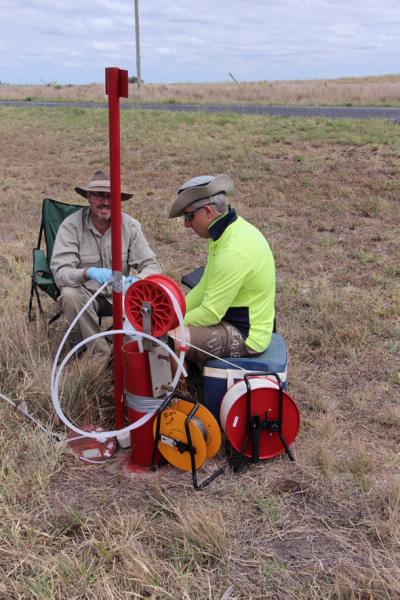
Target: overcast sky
(72,41)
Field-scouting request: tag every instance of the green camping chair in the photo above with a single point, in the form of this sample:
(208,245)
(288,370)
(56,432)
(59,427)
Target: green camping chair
(53,214)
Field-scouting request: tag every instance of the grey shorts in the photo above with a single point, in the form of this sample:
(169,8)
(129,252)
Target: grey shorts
(221,341)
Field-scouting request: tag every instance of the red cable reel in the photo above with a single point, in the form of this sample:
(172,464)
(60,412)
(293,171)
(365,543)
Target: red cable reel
(265,397)
(156,290)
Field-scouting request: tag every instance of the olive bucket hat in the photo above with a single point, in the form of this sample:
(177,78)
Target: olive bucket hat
(200,188)
(100,182)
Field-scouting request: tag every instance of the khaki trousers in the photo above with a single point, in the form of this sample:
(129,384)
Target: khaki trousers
(222,341)
(72,300)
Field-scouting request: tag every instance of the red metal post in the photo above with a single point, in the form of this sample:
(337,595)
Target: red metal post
(116,87)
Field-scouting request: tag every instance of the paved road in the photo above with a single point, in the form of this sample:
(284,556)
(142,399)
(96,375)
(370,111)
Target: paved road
(335,112)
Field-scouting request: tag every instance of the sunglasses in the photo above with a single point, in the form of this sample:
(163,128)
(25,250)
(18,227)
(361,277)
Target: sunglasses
(189,216)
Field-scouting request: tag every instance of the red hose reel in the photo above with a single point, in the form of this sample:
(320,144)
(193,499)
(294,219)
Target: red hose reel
(155,290)
(259,418)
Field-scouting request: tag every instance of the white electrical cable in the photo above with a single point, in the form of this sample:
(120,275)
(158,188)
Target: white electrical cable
(237,367)
(104,435)
(14,404)
(56,372)
(67,333)
(23,409)
(72,324)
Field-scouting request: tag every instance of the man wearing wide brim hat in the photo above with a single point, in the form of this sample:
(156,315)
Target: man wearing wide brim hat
(100,183)
(230,312)
(81,259)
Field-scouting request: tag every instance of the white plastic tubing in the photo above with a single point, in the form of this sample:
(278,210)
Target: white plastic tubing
(56,372)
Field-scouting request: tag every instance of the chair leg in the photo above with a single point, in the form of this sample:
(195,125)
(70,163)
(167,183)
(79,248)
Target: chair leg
(34,291)
(53,319)
(39,302)
(30,304)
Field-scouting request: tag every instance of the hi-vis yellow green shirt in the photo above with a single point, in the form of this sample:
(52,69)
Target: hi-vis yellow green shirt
(238,284)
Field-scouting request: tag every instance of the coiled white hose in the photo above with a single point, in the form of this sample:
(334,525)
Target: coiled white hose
(56,372)
(104,435)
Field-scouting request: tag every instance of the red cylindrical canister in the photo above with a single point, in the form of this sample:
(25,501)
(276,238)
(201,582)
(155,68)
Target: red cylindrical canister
(137,378)
(137,381)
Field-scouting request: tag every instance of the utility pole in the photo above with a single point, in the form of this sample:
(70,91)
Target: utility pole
(138,74)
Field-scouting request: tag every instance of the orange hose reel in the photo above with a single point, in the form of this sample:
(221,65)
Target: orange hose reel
(173,440)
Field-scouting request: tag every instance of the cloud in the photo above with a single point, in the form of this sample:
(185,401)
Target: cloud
(202,40)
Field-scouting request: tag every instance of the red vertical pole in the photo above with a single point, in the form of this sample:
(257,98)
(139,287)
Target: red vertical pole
(116,87)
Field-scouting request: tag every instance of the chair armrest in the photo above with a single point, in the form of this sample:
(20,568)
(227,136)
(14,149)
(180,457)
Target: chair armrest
(41,273)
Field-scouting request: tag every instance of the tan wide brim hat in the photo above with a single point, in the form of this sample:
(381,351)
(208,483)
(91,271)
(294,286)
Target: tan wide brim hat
(100,183)
(200,188)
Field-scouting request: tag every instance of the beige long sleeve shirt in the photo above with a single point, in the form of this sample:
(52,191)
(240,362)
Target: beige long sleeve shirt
(79,245)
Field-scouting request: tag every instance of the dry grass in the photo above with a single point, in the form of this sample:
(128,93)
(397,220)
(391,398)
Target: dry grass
(362,91)
(325,193)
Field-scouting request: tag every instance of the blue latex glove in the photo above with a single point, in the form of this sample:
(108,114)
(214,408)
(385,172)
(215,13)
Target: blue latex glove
(128,281)
(99,274)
